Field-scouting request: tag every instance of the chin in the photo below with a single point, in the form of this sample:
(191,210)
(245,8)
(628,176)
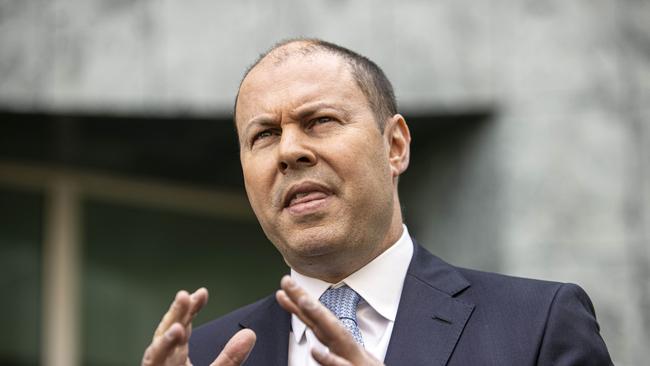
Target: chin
(313,242)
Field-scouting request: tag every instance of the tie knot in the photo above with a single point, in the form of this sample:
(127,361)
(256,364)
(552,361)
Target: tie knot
(343,302)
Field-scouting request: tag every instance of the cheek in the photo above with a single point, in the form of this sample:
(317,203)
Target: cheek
(256,185)
(367,164)
(372,157)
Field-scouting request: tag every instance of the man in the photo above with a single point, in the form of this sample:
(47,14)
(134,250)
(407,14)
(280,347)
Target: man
(321,148)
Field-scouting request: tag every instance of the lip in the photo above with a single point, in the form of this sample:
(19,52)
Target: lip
(314,195)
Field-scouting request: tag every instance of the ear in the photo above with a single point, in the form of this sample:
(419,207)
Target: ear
(398,138)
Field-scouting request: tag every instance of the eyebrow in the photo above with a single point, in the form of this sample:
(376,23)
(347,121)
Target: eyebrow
(309,109)
(263,121)
(298,114)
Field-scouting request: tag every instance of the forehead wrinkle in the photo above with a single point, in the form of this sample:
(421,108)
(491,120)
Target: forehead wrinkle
(307,109)
(310,94)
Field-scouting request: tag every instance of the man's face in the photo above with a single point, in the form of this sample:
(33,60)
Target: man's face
(315,162)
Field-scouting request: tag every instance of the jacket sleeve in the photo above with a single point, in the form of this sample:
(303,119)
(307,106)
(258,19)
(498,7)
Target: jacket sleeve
(572,335)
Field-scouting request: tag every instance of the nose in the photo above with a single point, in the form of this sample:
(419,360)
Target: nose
(293,152)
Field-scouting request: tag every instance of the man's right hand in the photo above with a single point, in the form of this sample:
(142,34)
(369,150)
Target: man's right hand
(170,341)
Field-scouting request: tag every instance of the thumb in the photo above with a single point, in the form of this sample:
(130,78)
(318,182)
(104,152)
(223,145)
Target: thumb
(236,351)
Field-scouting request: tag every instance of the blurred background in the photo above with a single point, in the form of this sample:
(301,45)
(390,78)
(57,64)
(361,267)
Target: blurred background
(120,180)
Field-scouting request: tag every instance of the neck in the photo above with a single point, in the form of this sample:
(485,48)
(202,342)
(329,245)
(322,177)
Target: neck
(335,267)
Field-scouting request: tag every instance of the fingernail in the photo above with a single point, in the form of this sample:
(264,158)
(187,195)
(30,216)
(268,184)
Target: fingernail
(307,303)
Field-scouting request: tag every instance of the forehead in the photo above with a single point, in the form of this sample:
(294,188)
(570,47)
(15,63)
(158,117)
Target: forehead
(277,84)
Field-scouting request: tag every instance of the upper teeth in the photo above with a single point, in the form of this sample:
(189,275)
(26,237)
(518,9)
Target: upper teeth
(300,195)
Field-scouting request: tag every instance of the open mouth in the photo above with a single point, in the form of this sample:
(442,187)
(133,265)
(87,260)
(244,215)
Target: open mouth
(306,197)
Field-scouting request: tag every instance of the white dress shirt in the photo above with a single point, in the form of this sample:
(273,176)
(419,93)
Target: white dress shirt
(379,283)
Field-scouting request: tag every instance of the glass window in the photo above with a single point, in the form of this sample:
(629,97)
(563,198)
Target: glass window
(20,283)
(135,259)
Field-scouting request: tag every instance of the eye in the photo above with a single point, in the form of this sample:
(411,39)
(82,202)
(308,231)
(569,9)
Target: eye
(320,121)
(262,135)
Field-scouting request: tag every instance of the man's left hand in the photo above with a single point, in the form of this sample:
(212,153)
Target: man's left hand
(343,350)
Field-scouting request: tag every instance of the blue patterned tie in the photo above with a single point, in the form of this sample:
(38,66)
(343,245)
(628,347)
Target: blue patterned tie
(343,303)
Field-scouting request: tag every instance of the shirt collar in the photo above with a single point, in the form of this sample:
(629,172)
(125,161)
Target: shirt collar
(379,283)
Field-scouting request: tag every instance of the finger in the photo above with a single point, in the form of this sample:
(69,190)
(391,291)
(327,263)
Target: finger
(162,348)
(198,299)
(325,325)
(290,306)
(287,303)
(236,351)
(325,358)
(289,287)
(328,329)
(177,312)
(183,309)
(310,311)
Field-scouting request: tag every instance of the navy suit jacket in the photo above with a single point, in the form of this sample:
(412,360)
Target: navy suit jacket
(446,316)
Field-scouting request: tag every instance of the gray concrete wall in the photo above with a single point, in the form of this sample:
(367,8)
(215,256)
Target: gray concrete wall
(555,186)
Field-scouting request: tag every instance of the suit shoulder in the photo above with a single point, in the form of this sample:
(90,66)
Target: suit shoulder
(560,316)
(482,287)
(532,296)
(537,299)
(500,282)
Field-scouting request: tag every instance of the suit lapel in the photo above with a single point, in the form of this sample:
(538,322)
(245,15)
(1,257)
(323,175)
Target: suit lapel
(272,325)
(430,320)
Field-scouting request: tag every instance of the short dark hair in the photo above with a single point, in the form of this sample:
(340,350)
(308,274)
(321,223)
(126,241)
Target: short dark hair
(369,77)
